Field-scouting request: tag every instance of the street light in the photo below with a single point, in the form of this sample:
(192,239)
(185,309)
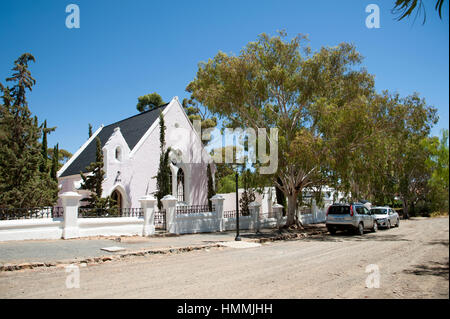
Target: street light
(238,238)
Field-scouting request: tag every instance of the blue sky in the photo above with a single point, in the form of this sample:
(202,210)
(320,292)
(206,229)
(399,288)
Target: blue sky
(125,49)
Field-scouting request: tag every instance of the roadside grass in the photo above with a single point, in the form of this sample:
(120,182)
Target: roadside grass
(438,214)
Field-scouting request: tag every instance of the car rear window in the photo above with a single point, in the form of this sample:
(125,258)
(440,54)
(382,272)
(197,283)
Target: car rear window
(378,211)
(339,210)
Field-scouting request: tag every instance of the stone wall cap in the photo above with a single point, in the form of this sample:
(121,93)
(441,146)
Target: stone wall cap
(169,197)
(70,194)
(254,204)
(147,198)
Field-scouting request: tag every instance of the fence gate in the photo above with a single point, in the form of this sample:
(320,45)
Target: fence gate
(160,219)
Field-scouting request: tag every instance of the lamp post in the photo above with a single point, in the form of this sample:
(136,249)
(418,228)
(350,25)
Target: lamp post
(238,238)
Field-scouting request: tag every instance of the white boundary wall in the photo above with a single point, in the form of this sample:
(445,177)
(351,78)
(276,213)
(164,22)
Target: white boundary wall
(114,226)
(46,228)
(70,226)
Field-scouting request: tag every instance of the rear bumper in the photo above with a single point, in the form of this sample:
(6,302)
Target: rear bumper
(340,226)
(382,222)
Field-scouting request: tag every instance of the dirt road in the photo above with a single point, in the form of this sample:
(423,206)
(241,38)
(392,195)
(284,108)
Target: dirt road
(413,262)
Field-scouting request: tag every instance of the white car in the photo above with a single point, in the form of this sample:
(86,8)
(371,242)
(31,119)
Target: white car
(385,216)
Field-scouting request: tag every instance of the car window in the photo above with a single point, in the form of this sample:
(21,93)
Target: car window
(366,210)
(339,210)
(379,211)
(360,210)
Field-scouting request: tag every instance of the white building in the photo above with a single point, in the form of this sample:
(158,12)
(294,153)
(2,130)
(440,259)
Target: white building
(131,150)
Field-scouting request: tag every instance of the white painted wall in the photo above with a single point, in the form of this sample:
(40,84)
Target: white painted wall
(137,167)
(114,226)
(266,199)
(46,228)
(197,223)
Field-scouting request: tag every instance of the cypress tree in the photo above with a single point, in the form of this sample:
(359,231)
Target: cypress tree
(90,130)
(55,161)
(93,182)
(163,175)
(211,190)
(43,166)
(248,195)
(22,184)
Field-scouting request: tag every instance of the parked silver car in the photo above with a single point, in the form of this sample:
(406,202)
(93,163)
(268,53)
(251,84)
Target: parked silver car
(354,216)
(385,216)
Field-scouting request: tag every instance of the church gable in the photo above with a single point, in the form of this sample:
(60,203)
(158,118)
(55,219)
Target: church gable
(132,129)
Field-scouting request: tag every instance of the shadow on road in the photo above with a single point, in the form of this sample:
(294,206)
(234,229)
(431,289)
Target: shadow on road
(439,242)
(440,269)
(348,236)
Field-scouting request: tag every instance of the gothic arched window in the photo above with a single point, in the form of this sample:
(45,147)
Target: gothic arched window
(180,185)
(118,153)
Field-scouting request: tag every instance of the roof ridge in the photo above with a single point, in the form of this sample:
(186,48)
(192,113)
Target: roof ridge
(138,114)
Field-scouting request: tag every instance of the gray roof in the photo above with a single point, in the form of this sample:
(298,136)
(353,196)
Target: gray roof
(132,129)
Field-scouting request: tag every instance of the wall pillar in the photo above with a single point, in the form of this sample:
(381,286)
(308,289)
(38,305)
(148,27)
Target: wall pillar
(70,202)
(254,208)
(314,211)
(148,206)
(217,201)
(169,203)
(278,210)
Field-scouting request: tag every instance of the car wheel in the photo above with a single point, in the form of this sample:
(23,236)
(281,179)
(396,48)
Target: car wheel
(360,229)
(332,231)
(375,227)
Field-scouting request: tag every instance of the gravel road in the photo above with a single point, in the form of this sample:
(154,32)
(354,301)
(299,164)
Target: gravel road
(413,262)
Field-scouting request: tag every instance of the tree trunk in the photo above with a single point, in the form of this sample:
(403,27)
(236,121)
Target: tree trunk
(405,209)
(292,209)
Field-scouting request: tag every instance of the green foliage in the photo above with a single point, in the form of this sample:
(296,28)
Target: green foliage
(149,102)
(438,161)
(93,182)
(43,167)
(199,113)
(55,164)
(22,184)
(405,8)
(278,83)
(334,128)
(163,175)
(90,130)
(63,156)
(438,164)
(248,194)
(211,190)
(227,184)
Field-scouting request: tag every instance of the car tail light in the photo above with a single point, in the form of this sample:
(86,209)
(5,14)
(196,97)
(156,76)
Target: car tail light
(351,210)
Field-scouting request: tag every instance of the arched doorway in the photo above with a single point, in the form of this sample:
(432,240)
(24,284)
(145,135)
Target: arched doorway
(180,185)
(117,197)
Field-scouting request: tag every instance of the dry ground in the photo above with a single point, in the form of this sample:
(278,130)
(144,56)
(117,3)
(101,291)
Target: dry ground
(413,261)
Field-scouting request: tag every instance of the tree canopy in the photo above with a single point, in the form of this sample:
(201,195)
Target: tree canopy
(333,127)
(149,102)
(24,176)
